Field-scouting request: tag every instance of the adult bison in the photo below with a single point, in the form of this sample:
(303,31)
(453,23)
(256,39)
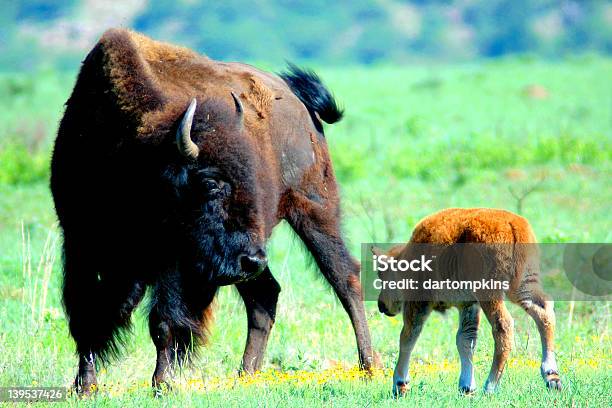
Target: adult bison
(170,171)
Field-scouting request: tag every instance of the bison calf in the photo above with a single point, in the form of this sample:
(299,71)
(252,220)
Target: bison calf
(517,264)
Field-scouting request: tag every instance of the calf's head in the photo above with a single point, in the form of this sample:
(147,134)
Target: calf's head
(389,300)
(216,213)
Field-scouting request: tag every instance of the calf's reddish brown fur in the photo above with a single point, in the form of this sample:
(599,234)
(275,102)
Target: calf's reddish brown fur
(516,262)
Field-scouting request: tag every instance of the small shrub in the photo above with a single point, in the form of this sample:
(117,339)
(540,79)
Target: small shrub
(20,166)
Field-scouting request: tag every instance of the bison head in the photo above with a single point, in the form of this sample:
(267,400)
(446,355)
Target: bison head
(216,219)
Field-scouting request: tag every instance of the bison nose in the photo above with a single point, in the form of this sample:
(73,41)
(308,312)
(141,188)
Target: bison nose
(382,308)
(253,265)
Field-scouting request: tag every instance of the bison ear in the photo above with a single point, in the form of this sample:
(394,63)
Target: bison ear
(185,144)
(239,109)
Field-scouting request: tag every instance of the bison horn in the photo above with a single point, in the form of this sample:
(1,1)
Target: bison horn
(183,135)
(239,108)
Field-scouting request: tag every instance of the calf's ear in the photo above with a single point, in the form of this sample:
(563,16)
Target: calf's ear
(376,251)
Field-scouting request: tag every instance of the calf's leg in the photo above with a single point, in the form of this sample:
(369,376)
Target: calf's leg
(541,310)
(260,297)
(502,327)
(469,319)
(529,295)
(415,315)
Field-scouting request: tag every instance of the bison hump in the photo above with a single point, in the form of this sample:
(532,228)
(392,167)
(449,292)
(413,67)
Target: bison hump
(127,65)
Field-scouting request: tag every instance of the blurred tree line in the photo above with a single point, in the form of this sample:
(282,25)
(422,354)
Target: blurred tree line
(59,32)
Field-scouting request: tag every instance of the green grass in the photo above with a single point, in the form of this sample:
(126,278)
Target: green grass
(414,140)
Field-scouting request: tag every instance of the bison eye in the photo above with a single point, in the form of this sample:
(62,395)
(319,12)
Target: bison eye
(212,185)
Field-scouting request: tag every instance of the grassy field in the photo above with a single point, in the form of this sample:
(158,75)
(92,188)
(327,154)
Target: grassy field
(414,140)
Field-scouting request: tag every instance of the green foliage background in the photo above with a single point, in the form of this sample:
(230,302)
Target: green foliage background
(58,32)
(414,140)
(420,134)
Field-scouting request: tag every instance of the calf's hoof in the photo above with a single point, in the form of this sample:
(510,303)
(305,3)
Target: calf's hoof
(553,382)
(467,389)
(490,388)
(400,388)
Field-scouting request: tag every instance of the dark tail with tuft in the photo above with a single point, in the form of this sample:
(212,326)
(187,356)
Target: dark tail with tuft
(307,86)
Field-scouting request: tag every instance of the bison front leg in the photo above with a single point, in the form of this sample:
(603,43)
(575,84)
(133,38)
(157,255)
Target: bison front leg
(86,382)
(99,304)
(178,321)
(318,225)
(260,297)
(502,327)
(172,338)
(162,338)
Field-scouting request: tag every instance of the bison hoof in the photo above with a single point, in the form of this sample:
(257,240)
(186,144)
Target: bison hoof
(376,361)
(553,382)
(161,387)
(247,371)
(85,386)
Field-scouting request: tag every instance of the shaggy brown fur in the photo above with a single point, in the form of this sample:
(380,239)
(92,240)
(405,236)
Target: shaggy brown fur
(478,225)
(516,261)
(137,213)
